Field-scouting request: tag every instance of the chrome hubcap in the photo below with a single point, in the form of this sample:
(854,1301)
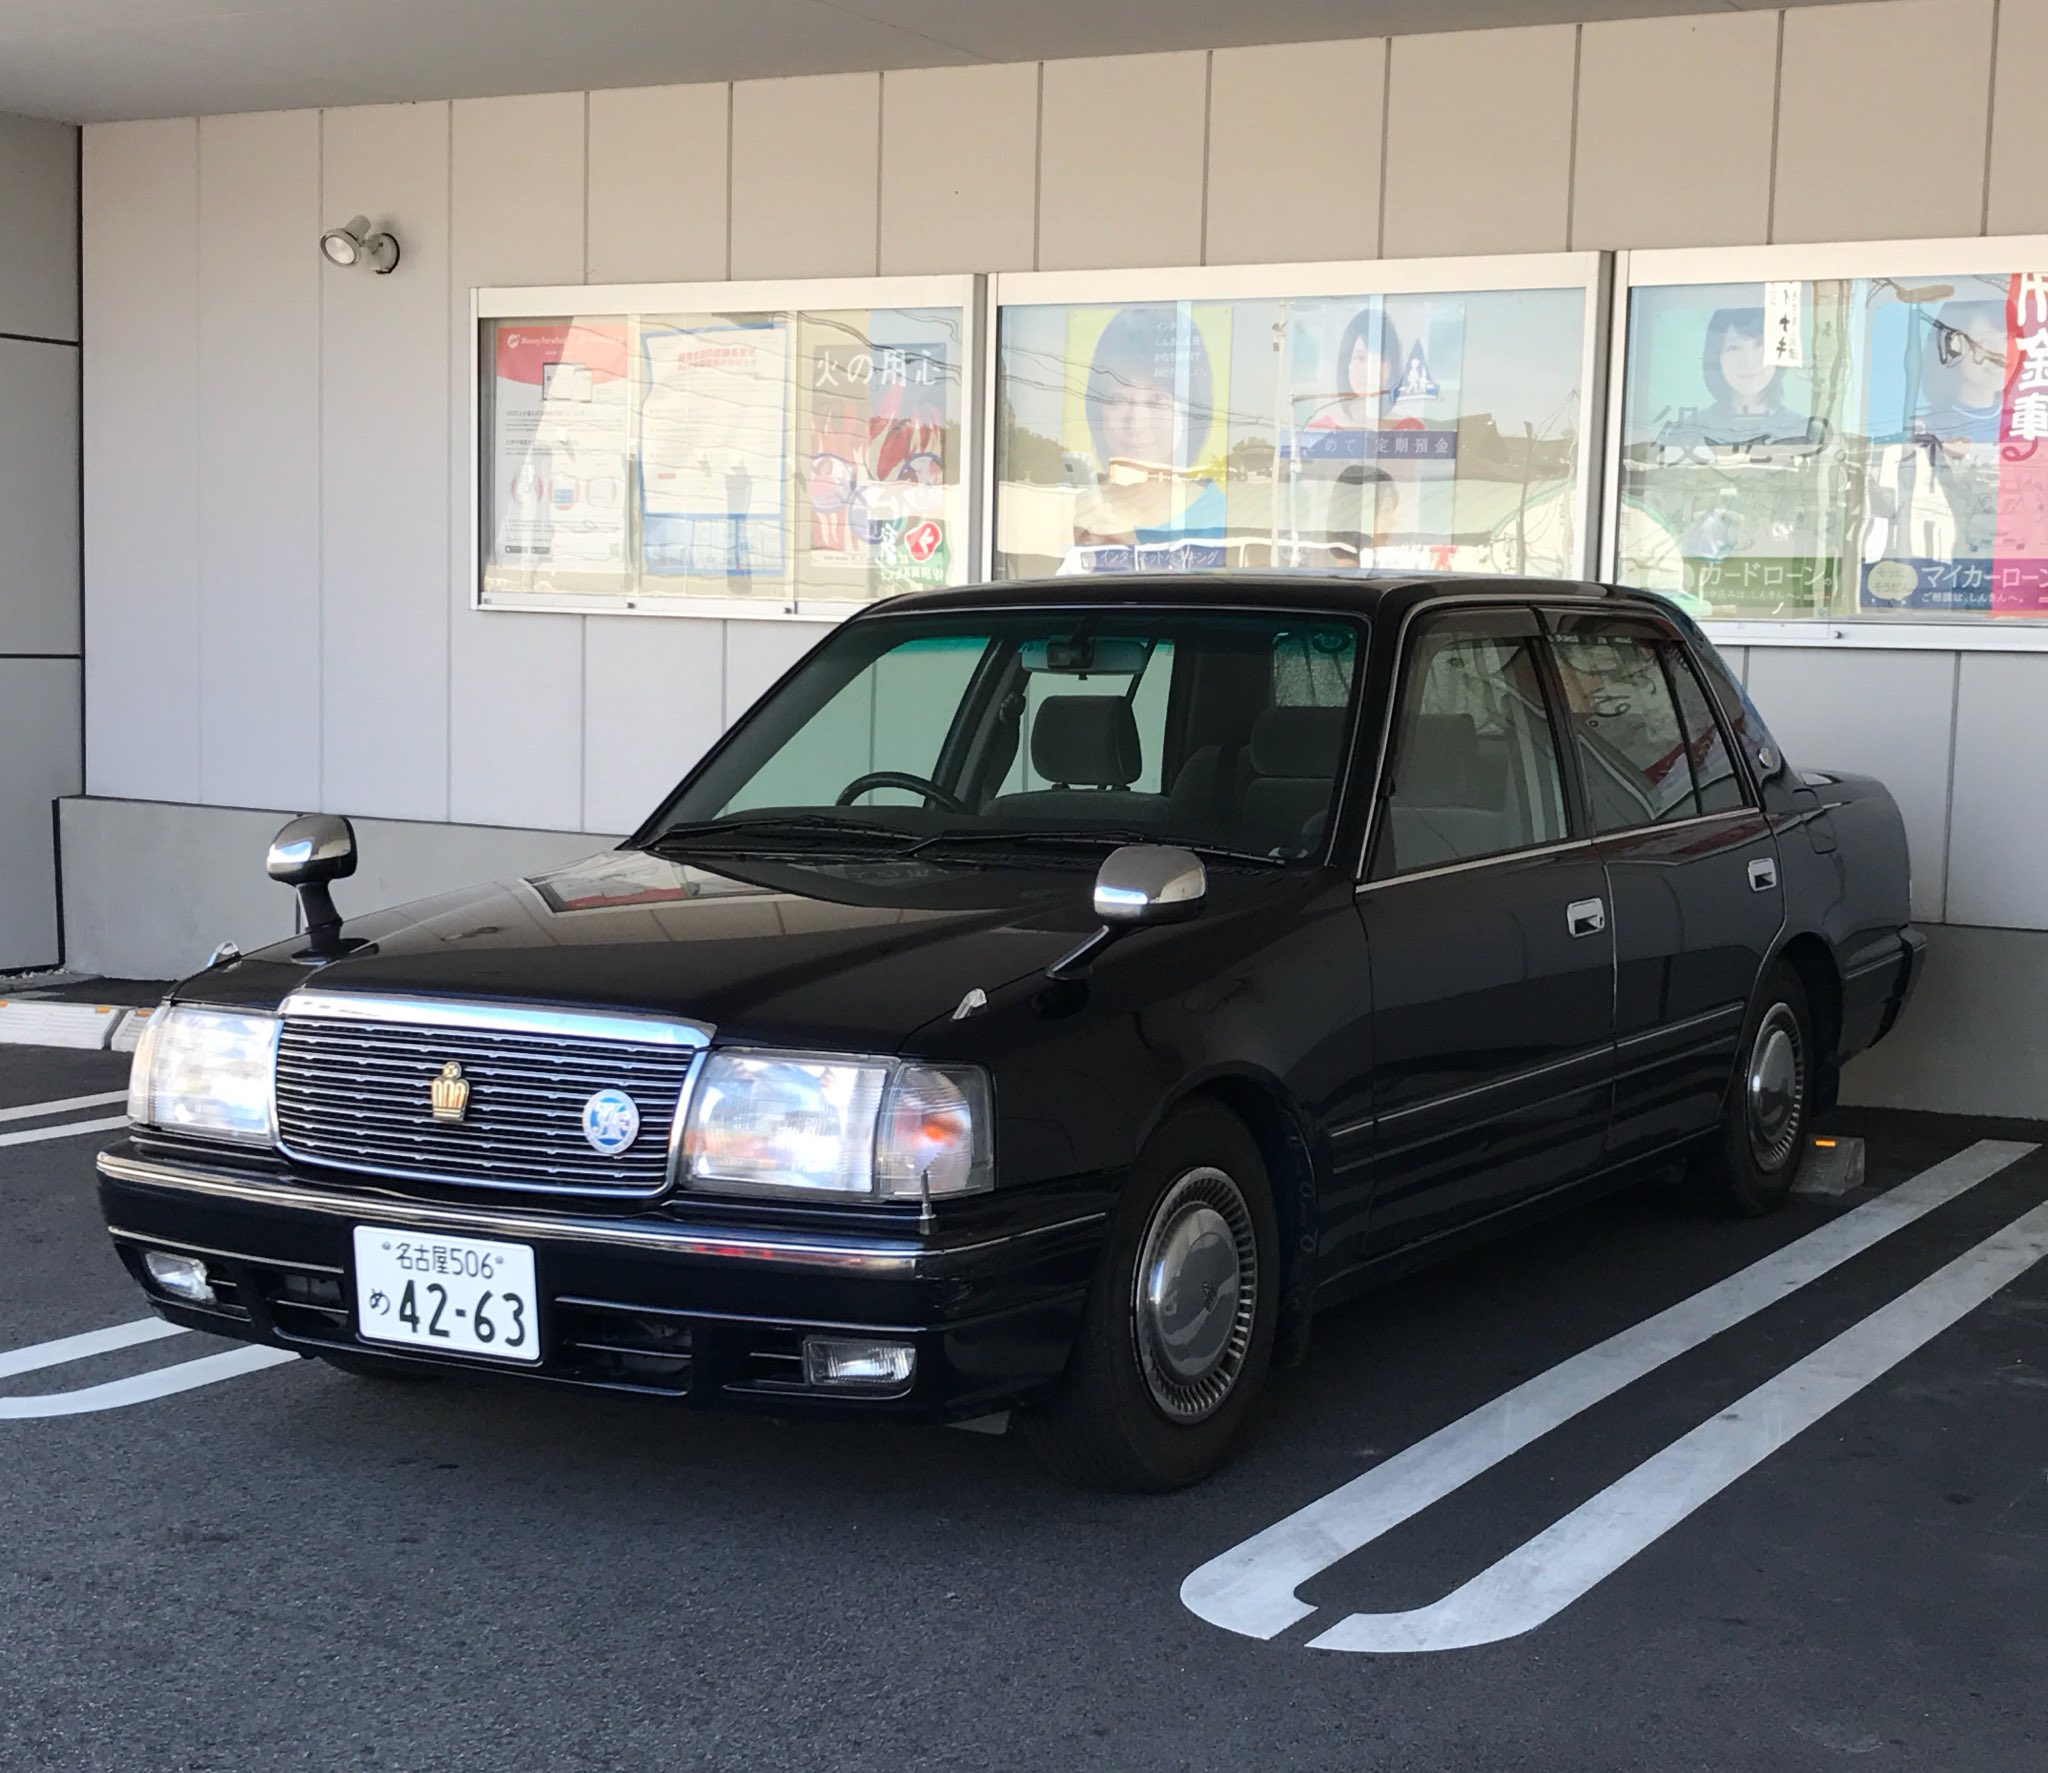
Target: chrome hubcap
(1197,1294)
(1777,1088)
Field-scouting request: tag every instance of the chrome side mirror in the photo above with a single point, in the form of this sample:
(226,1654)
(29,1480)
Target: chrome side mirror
(1137,886)
(1147,883)
(307,854)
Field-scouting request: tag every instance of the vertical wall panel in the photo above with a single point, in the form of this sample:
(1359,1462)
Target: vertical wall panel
(656,694)
(1998,841)
(1651,172)
(39,223)
(1120,178)
(1479,142)
(1881,120)
(38,497)
(950,208)
(386,471)
(2019,121)
(39,704)
(757,653)
(141,437)
(515,719)
(1309,189)
(657,184)
(259,459)
(1883,714)
(804,179)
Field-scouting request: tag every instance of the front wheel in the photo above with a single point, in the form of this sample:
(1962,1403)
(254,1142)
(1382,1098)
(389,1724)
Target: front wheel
(1178,1328)
(1754,1161)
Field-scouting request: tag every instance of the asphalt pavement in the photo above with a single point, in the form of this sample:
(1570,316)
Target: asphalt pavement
(1801,1525)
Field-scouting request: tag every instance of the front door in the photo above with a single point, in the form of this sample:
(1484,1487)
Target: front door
(1692,871)
(1490,941)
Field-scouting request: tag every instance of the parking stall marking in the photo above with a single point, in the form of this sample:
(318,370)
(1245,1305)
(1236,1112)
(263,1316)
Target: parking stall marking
(35,1135)
(1539,1580)
(115,1394)
(1251,1589)
(15,1362)
(64,1105)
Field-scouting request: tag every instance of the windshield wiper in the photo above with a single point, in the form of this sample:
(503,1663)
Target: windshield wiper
(743,826)
(1094,836)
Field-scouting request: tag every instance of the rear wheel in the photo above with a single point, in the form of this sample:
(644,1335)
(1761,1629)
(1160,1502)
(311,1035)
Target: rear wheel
(1178,1329)
(1753,1163)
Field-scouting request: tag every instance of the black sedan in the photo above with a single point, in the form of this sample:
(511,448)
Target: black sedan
(1045,998)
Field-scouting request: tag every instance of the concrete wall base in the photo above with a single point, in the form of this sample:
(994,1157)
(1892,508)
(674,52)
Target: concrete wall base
(1974,1040)
(151,887)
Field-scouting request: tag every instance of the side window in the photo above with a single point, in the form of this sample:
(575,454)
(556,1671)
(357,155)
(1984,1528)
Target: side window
(1623,711)
(1714,774)
(1475,769)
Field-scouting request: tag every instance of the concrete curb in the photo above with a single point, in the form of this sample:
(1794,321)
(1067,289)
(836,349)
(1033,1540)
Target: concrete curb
(88,1027)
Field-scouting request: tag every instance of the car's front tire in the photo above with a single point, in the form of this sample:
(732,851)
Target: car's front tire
(1178,1328)
(1754,1160)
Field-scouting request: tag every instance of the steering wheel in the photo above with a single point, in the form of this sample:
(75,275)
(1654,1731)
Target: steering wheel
(902,779)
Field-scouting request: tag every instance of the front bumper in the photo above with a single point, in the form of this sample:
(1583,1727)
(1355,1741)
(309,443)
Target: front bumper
(648,1303)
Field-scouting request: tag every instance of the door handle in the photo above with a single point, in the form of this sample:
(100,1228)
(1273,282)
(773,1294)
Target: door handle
(1585,917)
(1763,875)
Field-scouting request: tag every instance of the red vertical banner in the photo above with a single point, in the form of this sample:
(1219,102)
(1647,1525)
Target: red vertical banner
(2019,568)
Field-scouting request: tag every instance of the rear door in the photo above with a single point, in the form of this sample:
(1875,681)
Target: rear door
(1492,961)
(1692,869)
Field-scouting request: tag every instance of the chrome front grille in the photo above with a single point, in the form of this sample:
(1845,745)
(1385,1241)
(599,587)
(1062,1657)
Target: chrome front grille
(355,1081)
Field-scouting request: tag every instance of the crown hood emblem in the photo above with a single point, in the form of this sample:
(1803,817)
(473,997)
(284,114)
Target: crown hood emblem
(451,1093)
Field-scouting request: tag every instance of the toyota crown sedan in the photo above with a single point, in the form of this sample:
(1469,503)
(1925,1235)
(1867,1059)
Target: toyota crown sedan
(1045,999)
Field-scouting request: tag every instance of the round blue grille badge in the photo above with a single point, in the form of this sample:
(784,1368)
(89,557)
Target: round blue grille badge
(611,1122)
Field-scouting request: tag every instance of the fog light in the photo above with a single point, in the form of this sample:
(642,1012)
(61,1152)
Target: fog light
(183,1277)
(857,1366)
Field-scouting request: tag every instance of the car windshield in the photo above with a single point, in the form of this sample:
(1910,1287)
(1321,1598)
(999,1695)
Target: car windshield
(1061,727)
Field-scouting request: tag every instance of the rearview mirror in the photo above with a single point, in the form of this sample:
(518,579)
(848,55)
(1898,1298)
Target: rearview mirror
(1147,883)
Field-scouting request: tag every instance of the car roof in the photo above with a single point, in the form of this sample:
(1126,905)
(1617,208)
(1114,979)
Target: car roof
(1343,594)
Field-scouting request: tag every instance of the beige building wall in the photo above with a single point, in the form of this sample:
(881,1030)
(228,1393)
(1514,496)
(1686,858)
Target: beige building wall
(277,460)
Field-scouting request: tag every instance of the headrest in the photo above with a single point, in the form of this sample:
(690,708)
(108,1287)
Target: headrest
(1297,742)
(1439,763)
(1086,742)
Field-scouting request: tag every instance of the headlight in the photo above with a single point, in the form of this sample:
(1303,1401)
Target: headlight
(874,1129)
(206,1072)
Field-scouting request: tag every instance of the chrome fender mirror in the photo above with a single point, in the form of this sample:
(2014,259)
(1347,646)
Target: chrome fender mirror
(1147,883)
(1137,886)
(307,854)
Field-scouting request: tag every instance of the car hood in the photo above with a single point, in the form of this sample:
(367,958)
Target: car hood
(849,953)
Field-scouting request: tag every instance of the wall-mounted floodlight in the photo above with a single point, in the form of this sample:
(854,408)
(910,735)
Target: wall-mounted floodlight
(356,245)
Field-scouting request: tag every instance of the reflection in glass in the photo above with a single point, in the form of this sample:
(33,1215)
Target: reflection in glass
(1860,448)
(783,457)
(1431,431)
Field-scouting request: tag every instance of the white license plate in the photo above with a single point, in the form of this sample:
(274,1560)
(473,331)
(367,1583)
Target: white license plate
(461,1295)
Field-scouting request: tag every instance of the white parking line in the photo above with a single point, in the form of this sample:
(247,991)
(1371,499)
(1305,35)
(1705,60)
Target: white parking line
(164,1382)
(1250,1589)
(1539,1580)
(36,1135)
(16,1361)
(36,1110)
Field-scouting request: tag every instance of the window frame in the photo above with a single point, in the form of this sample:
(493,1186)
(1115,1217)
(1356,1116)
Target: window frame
(1658,268)
(489,305)
(1576,820)
(1549,613)
(1588,272)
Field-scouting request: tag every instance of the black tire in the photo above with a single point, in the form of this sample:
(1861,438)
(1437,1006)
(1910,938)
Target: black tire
(1755,1158)
(370,1366)
(1136,1409)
